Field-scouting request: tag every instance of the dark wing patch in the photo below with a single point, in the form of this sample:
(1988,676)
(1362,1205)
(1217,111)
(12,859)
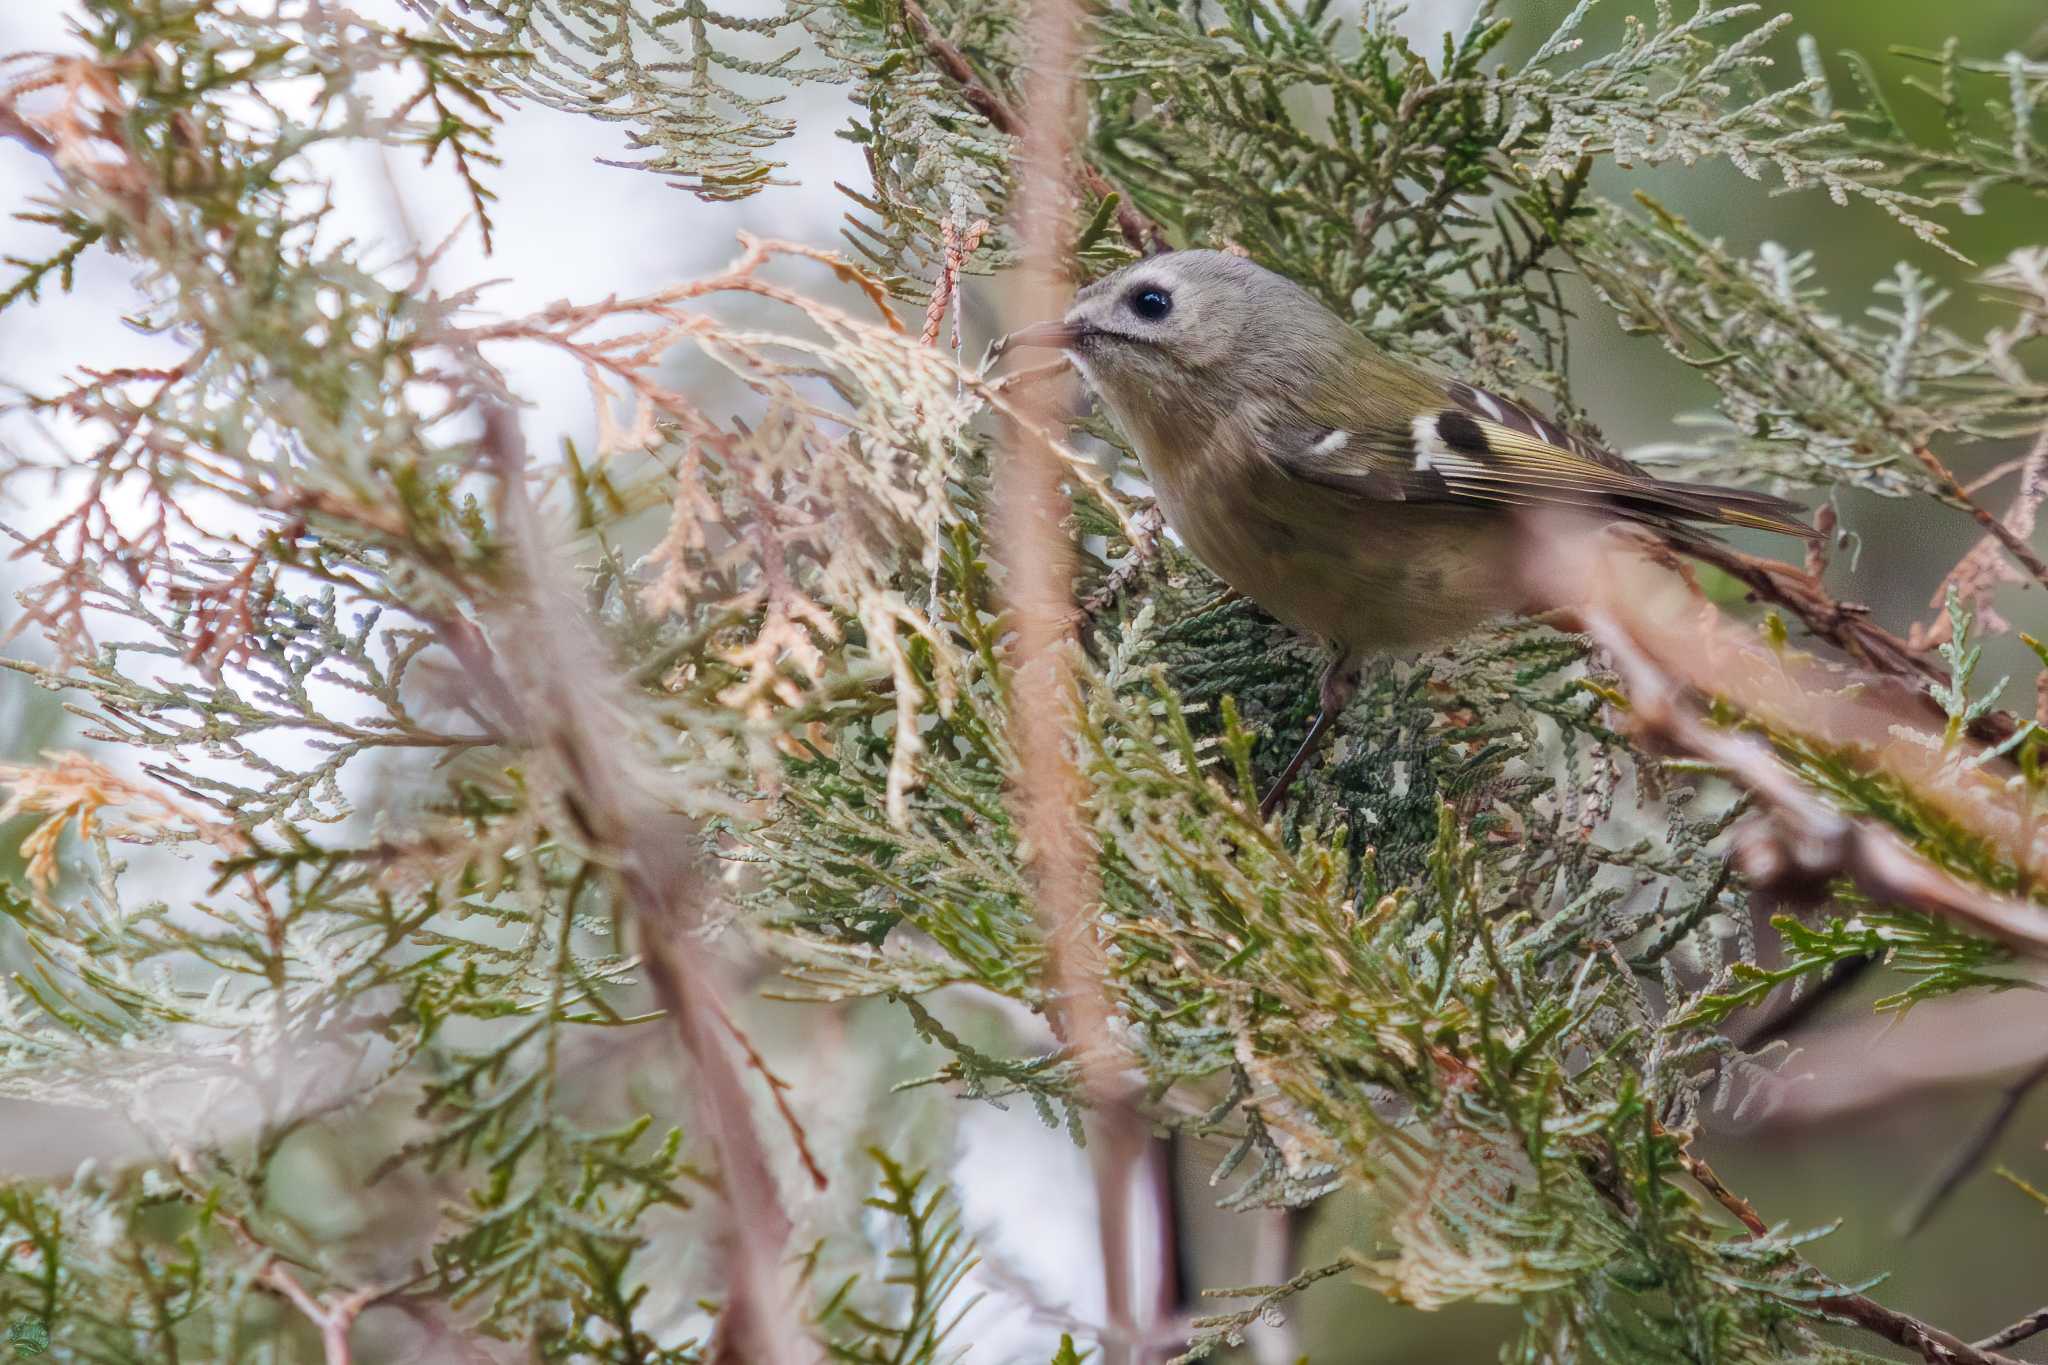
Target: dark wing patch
(1528,459)
(1484,450)
(1458,431)
(1491,407)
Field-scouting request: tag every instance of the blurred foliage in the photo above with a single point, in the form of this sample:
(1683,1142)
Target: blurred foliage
(1479,973)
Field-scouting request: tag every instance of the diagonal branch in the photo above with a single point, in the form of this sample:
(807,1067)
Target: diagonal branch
(621,816)
(1933,1345)
(1971,1154)
(1813,843)
(2016,547)
(1845,625)
(2032,1324)
(334,1316)
(1985,567)
(1799,842)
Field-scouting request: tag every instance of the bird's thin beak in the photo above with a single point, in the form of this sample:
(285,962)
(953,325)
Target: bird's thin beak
(1043,336)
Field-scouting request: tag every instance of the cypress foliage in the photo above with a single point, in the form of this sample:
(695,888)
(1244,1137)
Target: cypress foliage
(1488,967)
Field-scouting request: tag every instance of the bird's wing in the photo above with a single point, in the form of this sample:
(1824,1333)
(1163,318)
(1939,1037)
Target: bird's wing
(1465,445)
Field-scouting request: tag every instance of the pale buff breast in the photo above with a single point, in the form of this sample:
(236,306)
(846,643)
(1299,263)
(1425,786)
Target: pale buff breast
(1377,577)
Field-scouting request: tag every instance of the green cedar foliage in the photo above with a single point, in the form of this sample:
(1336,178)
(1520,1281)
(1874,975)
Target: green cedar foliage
(1480,971)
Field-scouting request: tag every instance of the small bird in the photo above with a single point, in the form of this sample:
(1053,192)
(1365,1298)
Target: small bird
(1355,496)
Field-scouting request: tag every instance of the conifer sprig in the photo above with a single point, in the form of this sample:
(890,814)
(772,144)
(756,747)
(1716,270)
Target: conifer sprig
(418,752)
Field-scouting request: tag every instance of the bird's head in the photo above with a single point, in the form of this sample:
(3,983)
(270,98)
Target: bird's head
(1165,339)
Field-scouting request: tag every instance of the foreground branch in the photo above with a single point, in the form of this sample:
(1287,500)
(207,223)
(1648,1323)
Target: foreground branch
(2033,1324)
(1845,625)
(625,822)
(1813,844)
(1998,530)
(1934,1346)
(1039,557)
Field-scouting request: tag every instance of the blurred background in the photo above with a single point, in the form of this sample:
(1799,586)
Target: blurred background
(1859,1145)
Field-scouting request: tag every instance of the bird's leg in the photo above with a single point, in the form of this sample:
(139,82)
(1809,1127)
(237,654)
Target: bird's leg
(1338,685)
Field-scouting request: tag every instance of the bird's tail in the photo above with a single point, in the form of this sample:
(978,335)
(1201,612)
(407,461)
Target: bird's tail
(1694,502)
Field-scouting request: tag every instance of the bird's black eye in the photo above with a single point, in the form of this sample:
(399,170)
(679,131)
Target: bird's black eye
(1150,303)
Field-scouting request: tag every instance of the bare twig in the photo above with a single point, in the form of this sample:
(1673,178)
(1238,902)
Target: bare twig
(1979,574)
(1971,1154)
(778,1089)
(1994,474)
(1934,1345)
(332,1316)
(2014,545)
(1845,625)
(1745,1212)
(2032,1324)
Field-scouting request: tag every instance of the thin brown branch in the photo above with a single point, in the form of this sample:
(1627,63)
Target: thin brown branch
(1031,542)
(1984,569)
(1971,1154)
(1933,1345)
(626,823)
(333,1317)
(1745,1212)
(1994,474)
(2016,547)
(778,1089)
(1138,230)
(2032,1324)
(1845,625)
